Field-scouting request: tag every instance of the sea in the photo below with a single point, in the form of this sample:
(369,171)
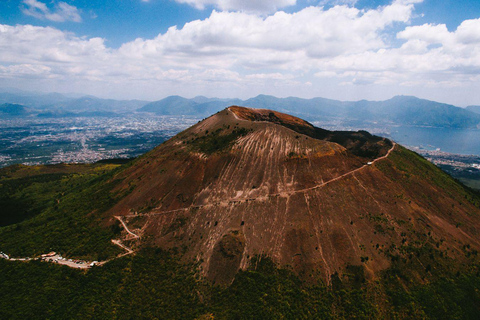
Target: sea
(458,141)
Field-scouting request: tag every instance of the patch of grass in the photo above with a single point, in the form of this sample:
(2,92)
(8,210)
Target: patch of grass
(414,167)
(217,141)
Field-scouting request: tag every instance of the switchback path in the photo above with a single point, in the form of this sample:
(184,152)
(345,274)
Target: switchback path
(82,264)
(263,198)
(126,228)
(119,242)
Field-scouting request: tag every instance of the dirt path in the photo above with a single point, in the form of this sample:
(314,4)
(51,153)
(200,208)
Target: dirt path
(126,228)
(345,174)
(58,259)
(287,193)
(79,264)
(119,243)
(82,264)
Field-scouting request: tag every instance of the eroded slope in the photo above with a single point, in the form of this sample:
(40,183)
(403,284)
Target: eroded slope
(247,182)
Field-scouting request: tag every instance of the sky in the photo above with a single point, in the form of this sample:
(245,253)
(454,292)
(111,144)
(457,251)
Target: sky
(150,49)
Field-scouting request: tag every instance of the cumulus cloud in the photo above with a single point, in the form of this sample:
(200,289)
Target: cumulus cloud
(62,11)
(341,45)
(311,32)
(262,6)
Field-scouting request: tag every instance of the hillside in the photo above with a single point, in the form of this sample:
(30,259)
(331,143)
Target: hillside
(415,111)
(261,182)
(12,110)
(44,208)
(248,213)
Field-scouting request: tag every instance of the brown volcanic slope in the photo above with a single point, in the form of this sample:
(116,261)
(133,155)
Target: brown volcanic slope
(246,182)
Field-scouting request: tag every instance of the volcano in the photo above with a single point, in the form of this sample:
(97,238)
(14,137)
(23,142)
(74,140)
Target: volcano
(248,183)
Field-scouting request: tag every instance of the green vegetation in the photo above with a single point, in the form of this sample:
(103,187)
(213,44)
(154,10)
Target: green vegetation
(154,285)
(24,198)
(216,141)
(416,168)
(49,208)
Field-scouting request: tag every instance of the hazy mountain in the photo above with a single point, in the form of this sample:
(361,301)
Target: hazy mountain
(171,105)
(52,102)
(475,109)
(198,106)
(203,99)
(18,110)
(60,113)
(11,109)
(94,104)
(415,111)
(403,110)
(33,100)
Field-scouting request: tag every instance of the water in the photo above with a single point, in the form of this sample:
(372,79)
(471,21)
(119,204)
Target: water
(459,141)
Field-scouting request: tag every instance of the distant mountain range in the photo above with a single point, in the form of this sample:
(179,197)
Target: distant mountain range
(405,110)
(198,106)
(62,105)
(401,110)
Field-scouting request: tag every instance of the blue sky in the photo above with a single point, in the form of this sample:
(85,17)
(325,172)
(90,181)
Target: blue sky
(340,49)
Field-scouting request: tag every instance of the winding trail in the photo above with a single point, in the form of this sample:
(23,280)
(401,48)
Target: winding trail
(121,245)
(260,198)
(348,173)
(119,218)
(82,264)
(118,242)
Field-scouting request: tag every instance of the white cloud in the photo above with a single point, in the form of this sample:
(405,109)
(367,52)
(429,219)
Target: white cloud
(246,53)
(311,32)
(262,6)
(62,11)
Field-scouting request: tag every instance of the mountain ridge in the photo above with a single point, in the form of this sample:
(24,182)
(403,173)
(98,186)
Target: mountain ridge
(406,110)
(259,182)
(399,110)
